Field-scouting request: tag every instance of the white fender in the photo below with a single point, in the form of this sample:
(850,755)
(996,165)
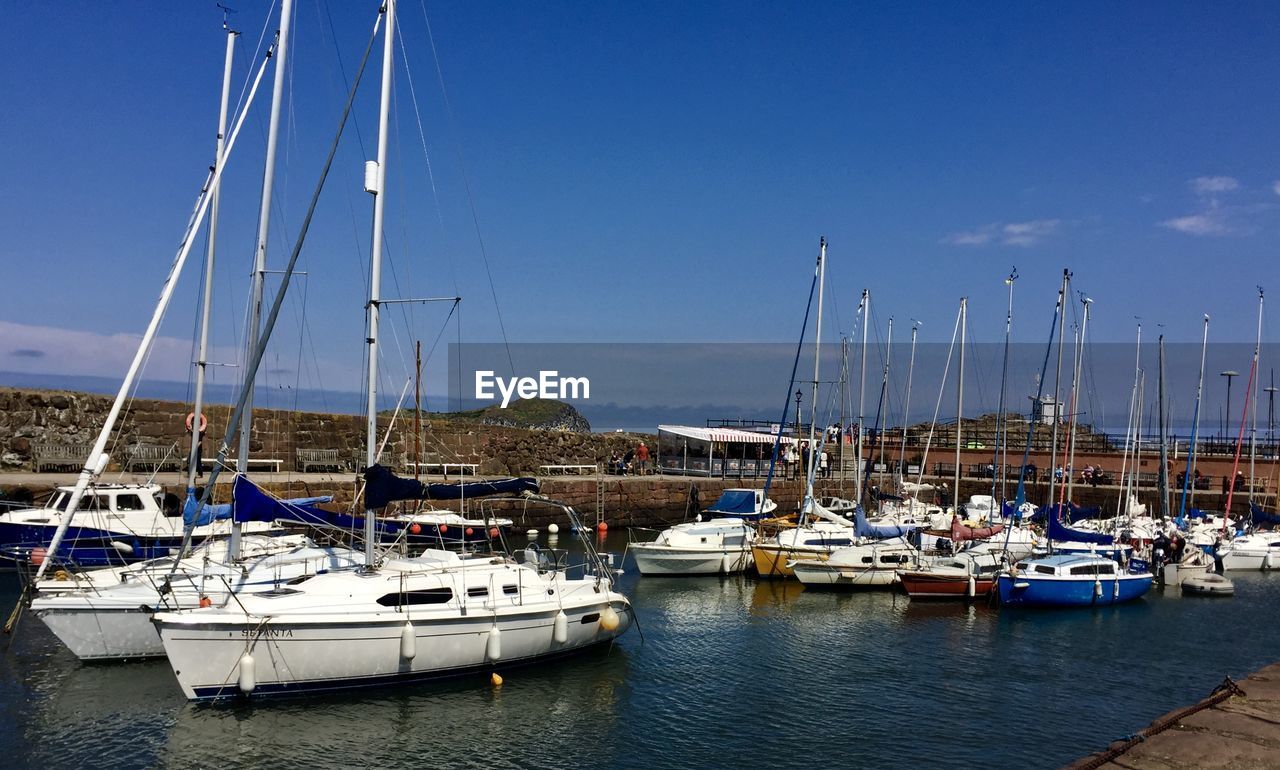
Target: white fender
(1097,588)
(126,548)
(560,629)
(971,589)
(493,646)
(408,642)
(553,528)
(248,677)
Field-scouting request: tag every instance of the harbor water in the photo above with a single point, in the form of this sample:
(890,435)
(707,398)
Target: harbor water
(721,672)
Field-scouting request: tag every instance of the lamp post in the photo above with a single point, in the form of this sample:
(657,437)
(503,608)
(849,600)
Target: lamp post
(799,397)
(1226,420)
(1270,390)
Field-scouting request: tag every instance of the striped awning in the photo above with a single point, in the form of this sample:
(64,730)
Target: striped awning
(727,435)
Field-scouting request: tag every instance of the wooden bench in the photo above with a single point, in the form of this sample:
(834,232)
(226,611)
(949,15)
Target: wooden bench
(567,470)
(326,459)
(271,464)
(463,469)
(58,456)
(154,457)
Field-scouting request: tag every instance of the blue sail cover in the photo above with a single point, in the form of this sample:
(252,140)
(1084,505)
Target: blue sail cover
(1059,531)
(383,487)
(1260,516)
(864,528)
(735,502)
(211,513)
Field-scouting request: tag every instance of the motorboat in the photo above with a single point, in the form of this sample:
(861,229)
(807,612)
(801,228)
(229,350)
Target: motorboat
(1257,550)
(1070,580)
(114,524)
(715,547)
(741,504)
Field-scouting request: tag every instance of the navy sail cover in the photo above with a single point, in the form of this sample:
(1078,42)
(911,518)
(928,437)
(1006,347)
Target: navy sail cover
(1059,531)
(383,487)
(736,501)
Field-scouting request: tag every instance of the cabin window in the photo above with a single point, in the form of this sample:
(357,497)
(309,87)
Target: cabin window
(510,590)
(275,593)
(734,540)
(1106,569)
(477,591)
(867,560)
(704,540)
(422,596)
(129,503)
(1043,570)
(590,618)
(893,559)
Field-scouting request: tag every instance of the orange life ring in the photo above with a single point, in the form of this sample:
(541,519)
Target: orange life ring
(204,421)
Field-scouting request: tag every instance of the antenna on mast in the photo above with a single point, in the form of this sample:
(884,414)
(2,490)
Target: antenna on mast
(226,17)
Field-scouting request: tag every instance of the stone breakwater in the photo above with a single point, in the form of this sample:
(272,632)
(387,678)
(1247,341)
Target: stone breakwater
(32,417)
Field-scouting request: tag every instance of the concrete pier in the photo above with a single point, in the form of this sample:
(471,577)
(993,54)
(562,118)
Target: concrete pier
(1236,726)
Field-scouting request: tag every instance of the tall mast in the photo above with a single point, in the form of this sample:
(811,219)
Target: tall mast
(1075,396)
(906,404)
(817,351)
(417,407)
(98,458)
(375,175)
(202,354)
(884,402)
(844,396)
(1057,391)
(862,397)
(1195,429)
(1253,379)
(1163,482)
(1002,424)
(964,322)
(260,248)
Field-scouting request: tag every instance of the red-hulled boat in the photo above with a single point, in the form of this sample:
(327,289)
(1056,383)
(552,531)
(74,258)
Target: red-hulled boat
(963,576)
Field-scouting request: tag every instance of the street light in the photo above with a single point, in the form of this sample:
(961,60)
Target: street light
(1270,390)
(1230,375)
(799,395)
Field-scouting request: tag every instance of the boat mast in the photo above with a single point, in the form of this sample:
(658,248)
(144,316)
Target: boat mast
(964,321)
(1244,416)
(862,397)
(202,354)
(1195,429)
(1001,458)
(884,402)
(1253,432)
(98,457)
(1076,373)
(1163,478)
(844,400)
(1057,391)
(375,177)
(260,248)
(817,358)
(906,406)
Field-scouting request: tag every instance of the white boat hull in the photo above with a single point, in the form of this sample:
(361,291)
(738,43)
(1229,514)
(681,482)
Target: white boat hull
(95,633)
(656,560)
(826,574)
(297,657)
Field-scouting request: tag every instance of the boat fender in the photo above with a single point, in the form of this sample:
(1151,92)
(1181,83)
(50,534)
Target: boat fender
(493,647)
(415,528)
(495,679)
(1266,561)
(553,528)
(609,619)
(38,555)
(408,642)
(247,679)
(493,532)
(206,601)
(1115,589)
(560,629)
(122,547)
(1097,588)
(971,589)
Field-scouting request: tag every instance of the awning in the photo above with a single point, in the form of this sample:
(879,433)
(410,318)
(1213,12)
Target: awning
(728,435)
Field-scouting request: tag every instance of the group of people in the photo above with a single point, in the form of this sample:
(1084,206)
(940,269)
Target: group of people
(796,458)
(635,462)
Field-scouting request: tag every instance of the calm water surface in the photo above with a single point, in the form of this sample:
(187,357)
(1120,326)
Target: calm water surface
(727,672)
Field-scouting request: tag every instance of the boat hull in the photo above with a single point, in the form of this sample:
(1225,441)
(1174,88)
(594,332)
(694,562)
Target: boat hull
(825,575)
(309,655)
(101,634)
(1025,590)
(927,585)
(658,560)
(771,561)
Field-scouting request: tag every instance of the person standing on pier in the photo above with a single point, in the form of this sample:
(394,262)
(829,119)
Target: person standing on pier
(642,458)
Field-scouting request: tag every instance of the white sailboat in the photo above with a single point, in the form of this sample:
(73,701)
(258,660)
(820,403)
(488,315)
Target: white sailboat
(396,620)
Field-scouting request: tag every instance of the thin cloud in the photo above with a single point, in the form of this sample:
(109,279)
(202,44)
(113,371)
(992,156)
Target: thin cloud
(1275,187)
(27,353)
(1212,222)
(1006,233)
(1205,185)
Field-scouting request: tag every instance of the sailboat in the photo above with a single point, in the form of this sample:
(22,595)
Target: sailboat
(819,530)
(397,619)
(121,523)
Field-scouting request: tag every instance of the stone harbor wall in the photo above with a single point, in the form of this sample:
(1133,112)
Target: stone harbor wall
(32,417)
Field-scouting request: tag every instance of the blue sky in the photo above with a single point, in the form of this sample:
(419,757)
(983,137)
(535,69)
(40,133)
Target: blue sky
(650,171)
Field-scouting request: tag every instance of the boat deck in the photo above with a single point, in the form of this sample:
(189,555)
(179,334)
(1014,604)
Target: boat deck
(1237,726)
